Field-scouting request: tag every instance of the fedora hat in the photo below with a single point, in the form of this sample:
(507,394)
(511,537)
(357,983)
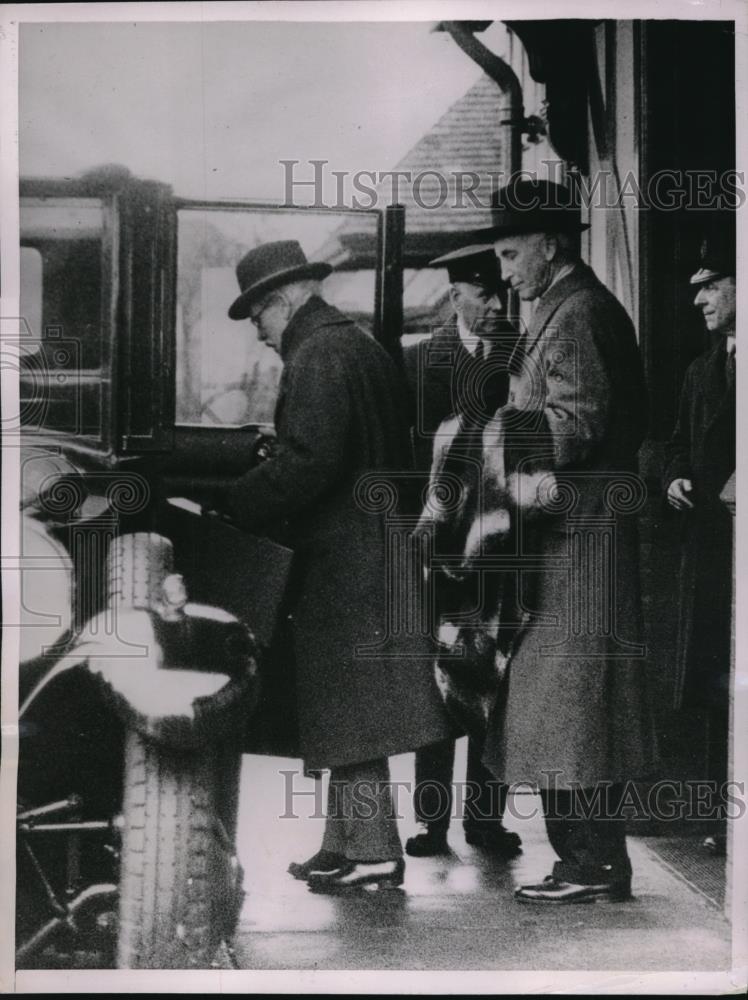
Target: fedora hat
(532,206)
(268,266)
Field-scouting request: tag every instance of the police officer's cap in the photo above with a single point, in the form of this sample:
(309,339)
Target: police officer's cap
(717,252)
(475,264)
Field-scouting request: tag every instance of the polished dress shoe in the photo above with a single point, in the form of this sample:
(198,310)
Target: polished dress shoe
(359,875)
(430,841)
(555,891)
(322,861)
(494,838)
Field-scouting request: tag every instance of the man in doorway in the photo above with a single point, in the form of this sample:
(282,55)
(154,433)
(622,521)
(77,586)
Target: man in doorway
(573,718)
(699,460)
(461,370)
(341,413)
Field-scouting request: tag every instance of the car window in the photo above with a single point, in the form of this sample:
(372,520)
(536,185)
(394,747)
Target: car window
(63,379)
(224,374)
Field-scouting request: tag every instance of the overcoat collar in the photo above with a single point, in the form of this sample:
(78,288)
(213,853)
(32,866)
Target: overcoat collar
(314,315)
(581,277)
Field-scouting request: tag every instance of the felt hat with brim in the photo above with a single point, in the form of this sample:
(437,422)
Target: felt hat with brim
(717,254)
(269,266)
(475,264)
(531,206)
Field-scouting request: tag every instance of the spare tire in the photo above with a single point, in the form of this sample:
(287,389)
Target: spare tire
(180,880)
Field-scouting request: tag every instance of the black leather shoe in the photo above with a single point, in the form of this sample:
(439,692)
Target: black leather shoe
(430,841)
(494,838)
(555,891)
(322,861)
(359,875)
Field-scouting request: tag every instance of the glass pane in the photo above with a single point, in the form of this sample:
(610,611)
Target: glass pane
(31,300)
(225,375)
(426,304)
(62,376)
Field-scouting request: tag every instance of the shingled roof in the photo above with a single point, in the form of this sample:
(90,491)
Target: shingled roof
(467,139)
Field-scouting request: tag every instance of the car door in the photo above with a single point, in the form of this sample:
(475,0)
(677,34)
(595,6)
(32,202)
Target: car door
(225,379)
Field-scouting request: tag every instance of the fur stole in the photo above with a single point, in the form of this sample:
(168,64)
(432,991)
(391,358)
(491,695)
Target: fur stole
(487,487)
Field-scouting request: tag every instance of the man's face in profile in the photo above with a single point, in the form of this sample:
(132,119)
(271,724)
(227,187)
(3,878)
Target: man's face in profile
(270,318)
(525,263)
(716,299)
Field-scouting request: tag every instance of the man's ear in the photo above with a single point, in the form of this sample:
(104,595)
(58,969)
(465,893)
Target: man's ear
(551,247)
(286,304)
(455,297)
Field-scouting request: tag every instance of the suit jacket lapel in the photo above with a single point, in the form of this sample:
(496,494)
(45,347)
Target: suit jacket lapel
(314,315)
(443,355)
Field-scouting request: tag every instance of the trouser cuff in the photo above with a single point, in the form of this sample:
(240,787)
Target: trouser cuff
(590,875)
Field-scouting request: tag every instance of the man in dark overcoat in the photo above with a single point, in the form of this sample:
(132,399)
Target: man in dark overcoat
(699,459)
(460,371)
(341,415)
(573,715)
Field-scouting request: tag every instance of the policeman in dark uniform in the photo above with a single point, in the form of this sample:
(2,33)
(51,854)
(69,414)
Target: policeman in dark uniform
(699,460)
(460,371)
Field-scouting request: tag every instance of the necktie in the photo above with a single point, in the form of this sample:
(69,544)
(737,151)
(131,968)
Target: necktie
(479,355)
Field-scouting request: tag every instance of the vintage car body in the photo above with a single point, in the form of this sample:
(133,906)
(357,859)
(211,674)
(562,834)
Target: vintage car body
(144,621)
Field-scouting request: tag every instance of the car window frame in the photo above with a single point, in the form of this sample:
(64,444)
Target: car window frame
(382,271)
(55,196)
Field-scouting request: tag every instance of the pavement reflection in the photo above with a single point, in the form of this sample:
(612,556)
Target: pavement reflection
(455,911)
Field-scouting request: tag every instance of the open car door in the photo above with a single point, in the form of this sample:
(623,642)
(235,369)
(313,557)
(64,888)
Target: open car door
(225,379)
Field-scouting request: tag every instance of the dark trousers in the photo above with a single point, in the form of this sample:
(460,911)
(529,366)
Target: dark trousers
(584,833)
(483,796)
(361,823)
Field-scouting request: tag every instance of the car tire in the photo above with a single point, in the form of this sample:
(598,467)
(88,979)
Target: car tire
(180,883)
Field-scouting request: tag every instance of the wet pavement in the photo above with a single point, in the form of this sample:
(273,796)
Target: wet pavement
(456,911)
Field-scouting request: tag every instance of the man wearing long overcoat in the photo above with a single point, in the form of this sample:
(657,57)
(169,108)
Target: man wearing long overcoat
(699,459)
(573,719)
(341,416)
